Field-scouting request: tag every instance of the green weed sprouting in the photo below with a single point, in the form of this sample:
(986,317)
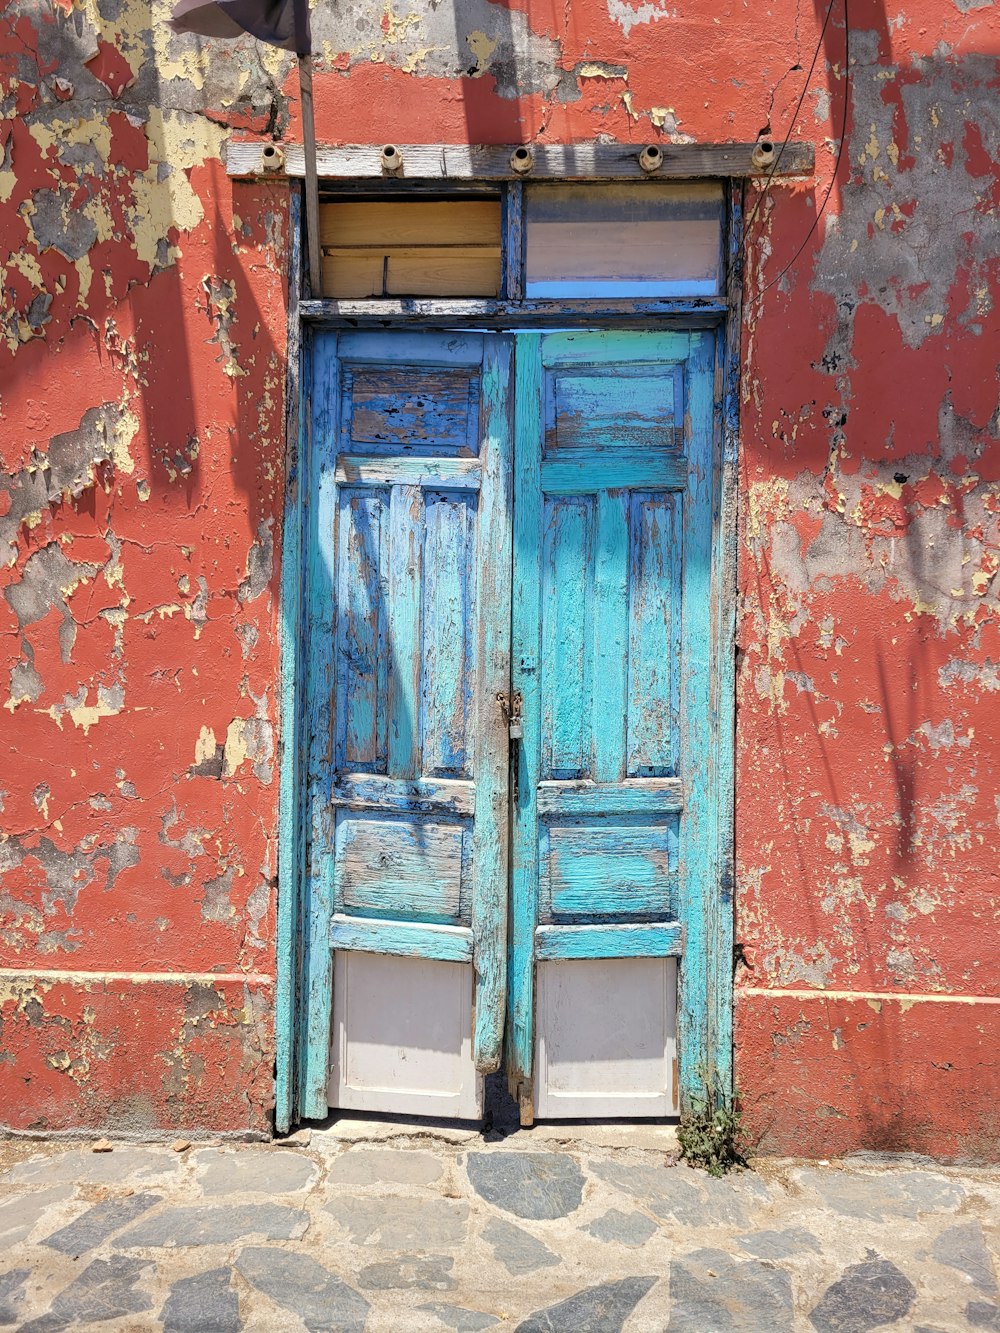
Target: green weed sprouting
(712,1135)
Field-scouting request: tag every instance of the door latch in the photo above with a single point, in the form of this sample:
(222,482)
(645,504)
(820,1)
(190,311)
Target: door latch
(511,706)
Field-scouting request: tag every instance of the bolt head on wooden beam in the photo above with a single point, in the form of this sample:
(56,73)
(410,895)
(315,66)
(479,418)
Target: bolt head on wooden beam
(552,162)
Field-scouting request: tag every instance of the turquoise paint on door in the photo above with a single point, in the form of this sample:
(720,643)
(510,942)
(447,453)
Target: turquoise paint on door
(615,836)
(409,606)
(612,493)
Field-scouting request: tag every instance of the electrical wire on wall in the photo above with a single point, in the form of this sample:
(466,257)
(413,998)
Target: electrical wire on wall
(840,146)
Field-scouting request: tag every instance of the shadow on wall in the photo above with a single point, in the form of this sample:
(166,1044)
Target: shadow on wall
(907,250)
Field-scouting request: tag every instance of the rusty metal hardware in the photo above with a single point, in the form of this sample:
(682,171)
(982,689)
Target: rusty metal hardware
(511,706)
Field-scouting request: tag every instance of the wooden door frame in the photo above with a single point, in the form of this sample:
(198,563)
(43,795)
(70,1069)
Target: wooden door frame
(705,1055)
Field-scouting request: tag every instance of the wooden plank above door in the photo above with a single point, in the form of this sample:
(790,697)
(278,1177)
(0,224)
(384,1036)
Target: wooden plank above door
(548,161)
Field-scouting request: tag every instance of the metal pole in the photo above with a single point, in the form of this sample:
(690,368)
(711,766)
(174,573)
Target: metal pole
(312,179)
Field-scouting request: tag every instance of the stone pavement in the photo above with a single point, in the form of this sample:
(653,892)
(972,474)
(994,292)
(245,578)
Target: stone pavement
(377,1226)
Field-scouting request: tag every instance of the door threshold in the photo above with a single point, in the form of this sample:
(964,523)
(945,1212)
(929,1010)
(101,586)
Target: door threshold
(347,1128)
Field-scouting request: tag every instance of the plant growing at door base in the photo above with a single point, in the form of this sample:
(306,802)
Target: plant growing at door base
(712,1135)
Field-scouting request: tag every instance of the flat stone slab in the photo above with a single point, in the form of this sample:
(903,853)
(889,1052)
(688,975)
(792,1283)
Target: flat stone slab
(221,1224)
(458,1318)
(20,1215)
(601,1309)
(711,1290)
(781,1244)
(617,1228)
(106,1289)
(983,1314)
(690,1197)
(245,1171)
(964,1249)
(401,1274)
(887,1194)
(99,1222)
(867,1296)
(517,1250)
(388,1166)
(402,1223)
(300,1284)
(536,1185)
(202,1303)
(11,1293)
(80,1167)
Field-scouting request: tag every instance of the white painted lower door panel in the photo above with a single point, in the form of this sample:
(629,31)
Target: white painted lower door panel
(606,1038)
(402,1037)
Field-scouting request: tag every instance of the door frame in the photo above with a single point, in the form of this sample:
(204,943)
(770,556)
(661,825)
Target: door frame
(705,1048)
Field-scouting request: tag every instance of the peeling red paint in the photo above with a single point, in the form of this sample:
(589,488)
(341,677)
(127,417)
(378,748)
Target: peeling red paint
(144,326)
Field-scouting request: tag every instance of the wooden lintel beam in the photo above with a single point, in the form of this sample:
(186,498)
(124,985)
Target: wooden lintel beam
(583,162)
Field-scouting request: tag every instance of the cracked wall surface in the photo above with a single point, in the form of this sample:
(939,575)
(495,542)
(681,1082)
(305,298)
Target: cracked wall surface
(143,327)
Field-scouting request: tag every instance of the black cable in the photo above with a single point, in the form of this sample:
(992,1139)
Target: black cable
(836,164)
(791,123)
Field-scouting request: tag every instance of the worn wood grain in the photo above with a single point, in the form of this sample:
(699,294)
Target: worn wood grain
(288,1000)
(607,870)
(446,944)
(568,799)
(406,868)
(492,652)
(430,313)
(654,940)
(368,791)
(551,161)
(391,409)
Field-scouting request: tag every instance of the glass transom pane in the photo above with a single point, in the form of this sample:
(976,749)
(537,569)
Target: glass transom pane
(644,239)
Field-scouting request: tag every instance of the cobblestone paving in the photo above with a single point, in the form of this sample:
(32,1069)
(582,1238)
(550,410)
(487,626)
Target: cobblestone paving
(393,1229)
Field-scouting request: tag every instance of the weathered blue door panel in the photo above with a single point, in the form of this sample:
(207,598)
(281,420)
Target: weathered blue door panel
(613,650)
(604,529)
(408,616)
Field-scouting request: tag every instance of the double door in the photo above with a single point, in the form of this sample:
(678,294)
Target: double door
(514,772)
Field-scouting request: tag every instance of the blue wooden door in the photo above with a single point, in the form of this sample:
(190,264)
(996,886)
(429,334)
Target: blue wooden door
(616,857)
(409,615)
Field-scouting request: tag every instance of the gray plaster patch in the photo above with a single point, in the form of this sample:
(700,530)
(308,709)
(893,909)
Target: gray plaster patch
(204,1303)
(983,1314)
(617,1228)
(98,1223)
(19,1215)
(244,1171)
(781,1244)
(518,1251)
(11,1293)
(104,1290)
(90,1168)
(537,1185)
(384,1166)
(403,1224)
(602,1309)
(297,1282)
(867,1296)
(711,1290)
(460,1319)
(964,1249)
(215,1225)
(896,1194)
(400,1274)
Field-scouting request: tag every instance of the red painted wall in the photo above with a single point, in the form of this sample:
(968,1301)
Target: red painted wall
(141,458)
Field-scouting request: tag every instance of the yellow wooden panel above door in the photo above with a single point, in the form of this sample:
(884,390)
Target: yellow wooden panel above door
(411,248)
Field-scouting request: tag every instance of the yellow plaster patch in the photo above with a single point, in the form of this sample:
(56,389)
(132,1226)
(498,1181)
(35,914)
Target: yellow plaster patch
(179,143)
(205,746)
(235,750)
(482,48)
